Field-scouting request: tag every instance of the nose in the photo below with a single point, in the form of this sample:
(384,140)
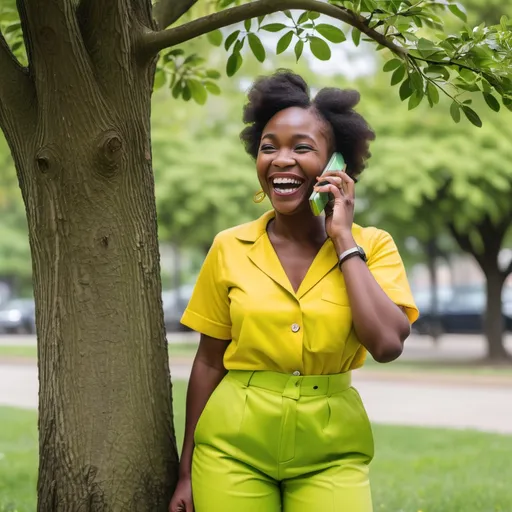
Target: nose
(284,159)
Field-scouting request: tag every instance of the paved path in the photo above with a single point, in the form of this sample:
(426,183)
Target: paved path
(387,401)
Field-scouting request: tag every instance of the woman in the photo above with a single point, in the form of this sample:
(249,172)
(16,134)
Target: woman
(287,306)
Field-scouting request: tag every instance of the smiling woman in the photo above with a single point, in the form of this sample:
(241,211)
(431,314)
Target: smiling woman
(287,306)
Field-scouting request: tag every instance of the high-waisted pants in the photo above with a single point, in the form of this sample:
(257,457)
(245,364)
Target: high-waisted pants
(272,442)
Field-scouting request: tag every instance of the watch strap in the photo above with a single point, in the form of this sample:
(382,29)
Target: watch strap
(349,253)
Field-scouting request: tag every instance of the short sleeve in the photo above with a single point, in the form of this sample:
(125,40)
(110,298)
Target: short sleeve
(208,309)
(388,269)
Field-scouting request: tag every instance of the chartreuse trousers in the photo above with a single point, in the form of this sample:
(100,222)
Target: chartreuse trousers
(269,442)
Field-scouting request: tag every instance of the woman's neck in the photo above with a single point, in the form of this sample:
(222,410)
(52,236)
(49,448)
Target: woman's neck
(301,227)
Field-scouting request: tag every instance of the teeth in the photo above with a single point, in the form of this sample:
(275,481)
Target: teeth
(287,190)
(283,181)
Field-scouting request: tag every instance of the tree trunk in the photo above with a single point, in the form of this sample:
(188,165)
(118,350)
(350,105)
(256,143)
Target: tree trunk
(494,322)
(106,440)
(432,253)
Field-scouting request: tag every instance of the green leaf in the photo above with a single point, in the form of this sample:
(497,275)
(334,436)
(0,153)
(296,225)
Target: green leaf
(331,33)
(199,93)
(299,47)
(467,75)
(231,39)
(432,94)
(508,103)
(212,88)
(303,18)
(233,64)
(356,36)
(176,90)
(186,94)
(416,81)
(284,42)
(392,64)
(314,16)
(319,48)
(398,75)
(160,79)
(288,14)
(273,27)
(493,103)
(436,72)
(456,10)
(256,47)
(504,22)
(247,24)
(213,73)
(472,116)
(405,89)
(415,99)
(455,111)
(215,37)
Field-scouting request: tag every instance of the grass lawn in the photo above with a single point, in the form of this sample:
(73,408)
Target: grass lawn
(415,469)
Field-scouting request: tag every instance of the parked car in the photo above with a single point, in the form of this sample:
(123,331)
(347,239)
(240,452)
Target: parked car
(174,303)
(17,316)
(461,311)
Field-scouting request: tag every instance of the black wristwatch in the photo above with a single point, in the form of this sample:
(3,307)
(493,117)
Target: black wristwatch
(349,253)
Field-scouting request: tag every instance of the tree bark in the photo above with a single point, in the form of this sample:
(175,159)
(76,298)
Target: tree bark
(492,236)
(106,440)
(494,322)
(432,253)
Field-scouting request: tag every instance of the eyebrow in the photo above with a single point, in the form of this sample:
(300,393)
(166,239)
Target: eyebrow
(296,136)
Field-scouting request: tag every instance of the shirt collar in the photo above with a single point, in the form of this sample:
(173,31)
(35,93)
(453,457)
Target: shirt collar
(251,231)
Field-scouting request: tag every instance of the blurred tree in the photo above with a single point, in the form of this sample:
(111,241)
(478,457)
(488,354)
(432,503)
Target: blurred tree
(15,262)
(75,90)
(430,178)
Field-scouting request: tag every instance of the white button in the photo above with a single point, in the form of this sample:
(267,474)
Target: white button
(296,373)
(295,327)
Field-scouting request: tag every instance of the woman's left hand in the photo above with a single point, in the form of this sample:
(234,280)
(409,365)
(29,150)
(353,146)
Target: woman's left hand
(339,212)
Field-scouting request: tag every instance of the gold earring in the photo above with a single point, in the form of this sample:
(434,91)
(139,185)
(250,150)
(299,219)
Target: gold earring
(259,196)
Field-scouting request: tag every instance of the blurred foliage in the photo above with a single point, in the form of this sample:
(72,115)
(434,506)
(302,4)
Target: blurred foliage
(14,246)
(205,181)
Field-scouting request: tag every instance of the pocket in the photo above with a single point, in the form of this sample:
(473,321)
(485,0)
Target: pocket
(349,429)
(209,405)
(335,294)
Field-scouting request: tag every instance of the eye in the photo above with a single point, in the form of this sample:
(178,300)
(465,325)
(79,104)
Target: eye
(266,148)
(303,148)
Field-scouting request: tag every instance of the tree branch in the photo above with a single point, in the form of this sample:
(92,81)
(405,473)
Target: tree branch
(466,245)
(16,94)
(153,42)
(60,58)
(167,12)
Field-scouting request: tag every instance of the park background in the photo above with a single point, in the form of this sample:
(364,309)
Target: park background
(442,415)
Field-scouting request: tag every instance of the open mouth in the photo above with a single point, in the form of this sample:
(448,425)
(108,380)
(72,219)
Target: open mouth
(286,186)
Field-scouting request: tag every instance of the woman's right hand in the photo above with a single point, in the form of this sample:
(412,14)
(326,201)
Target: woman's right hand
(182,498)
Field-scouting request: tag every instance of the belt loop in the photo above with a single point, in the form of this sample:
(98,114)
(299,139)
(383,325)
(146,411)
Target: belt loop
(242,376)
(292,388)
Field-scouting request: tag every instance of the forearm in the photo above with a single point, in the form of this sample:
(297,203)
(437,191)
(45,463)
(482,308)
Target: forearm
(381,326)
(204,378)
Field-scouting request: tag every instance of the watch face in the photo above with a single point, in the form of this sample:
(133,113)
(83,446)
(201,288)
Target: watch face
(361,252)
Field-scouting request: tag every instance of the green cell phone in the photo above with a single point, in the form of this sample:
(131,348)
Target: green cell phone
(319,200)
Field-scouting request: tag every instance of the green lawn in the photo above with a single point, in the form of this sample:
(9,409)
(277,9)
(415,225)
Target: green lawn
(415,469)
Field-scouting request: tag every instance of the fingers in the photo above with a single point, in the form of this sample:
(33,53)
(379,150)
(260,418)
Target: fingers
(331,189)
(341,179)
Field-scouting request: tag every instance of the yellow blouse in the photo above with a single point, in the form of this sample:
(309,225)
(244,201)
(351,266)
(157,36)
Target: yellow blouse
(243,294)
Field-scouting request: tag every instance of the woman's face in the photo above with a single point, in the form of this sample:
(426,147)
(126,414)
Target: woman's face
(294,149)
